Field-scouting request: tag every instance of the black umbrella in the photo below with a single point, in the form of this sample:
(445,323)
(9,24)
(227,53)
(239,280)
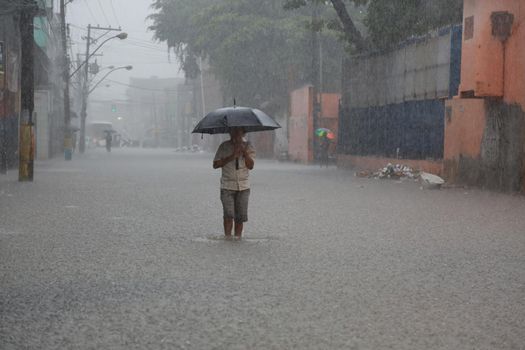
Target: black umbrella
(222,120)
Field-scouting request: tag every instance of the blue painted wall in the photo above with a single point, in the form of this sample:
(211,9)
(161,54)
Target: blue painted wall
(415,128)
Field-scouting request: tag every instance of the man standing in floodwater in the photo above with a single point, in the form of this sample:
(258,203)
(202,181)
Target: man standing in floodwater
(236,158)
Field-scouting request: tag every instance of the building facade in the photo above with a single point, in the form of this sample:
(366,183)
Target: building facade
(485,122)
(17,85)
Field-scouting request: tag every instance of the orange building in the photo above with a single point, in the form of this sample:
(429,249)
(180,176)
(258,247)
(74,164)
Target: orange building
(485,124)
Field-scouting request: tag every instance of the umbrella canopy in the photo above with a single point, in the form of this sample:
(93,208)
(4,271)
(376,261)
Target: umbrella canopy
(222,120)
(324,132)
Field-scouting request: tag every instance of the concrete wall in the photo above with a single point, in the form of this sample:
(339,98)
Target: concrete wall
(263,142)
(393,103)
(485,124)
(375,163)
(10,91)
(300,125)
(281,135)
(329,117)
(514,83)
(419,69)
(42,125)
(485,144)
(409,130)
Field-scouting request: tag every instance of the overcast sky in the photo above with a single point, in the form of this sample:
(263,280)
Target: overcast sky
(147,57)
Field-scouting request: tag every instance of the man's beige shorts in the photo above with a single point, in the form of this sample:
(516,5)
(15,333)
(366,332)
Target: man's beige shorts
(235,204)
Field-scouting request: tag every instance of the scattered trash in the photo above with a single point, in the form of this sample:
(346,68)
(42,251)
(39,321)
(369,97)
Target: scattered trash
(431,181)
(401,172)
(363,173)
(395,172)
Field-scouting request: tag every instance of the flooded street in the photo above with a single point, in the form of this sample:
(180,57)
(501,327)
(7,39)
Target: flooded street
(124,250)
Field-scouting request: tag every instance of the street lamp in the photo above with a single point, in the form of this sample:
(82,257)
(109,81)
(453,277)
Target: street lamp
(108,73)
(120,36)
(85,91)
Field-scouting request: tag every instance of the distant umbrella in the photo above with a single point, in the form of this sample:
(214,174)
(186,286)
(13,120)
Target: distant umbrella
(324,132)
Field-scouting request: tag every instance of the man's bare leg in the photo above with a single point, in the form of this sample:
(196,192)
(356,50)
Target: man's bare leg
(228,225)
(238,229)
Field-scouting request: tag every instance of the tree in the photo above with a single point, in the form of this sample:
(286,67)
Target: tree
(353,35)
(253,47)
(345,24)
(389,22)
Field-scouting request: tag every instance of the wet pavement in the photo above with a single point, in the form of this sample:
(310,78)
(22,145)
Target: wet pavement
(125,251)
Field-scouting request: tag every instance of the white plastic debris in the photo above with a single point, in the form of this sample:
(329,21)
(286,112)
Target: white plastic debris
(431,180)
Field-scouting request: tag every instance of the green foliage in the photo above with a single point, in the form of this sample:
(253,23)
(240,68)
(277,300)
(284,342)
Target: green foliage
(296,4)
(387,22)
(390,22)
(254,48)
(172,24)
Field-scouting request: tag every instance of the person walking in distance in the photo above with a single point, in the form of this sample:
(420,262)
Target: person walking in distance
(236,158)
(324,147)
(108,141)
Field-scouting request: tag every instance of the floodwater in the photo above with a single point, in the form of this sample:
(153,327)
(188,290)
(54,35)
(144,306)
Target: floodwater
(125,250)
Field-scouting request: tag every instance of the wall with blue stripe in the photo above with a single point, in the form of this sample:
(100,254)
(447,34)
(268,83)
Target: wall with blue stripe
(410,129)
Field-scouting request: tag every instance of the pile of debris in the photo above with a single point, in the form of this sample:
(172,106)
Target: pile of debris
(401,172)
(394,172)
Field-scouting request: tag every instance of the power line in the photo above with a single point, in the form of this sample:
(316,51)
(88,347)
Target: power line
(131,103)
(152,48)
(77,27)
(114,12)
(138,51)
(91,12)
(129,38)
(133,42)
(138,87)
(208,86)
(145,42)
(136,63)
(103,12)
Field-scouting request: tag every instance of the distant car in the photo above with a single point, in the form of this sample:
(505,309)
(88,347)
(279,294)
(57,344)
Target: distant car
(195,148)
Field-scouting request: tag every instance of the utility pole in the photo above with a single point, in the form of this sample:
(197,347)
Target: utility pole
(321,89)
(26,133)
(155,122)
(3,125)
(83,112)
(85,87)
(68,145)
(202,87)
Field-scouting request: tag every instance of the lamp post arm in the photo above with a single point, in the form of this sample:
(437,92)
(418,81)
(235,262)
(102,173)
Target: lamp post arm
(105,76)
(99,46)
(91,54)
(100,81)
